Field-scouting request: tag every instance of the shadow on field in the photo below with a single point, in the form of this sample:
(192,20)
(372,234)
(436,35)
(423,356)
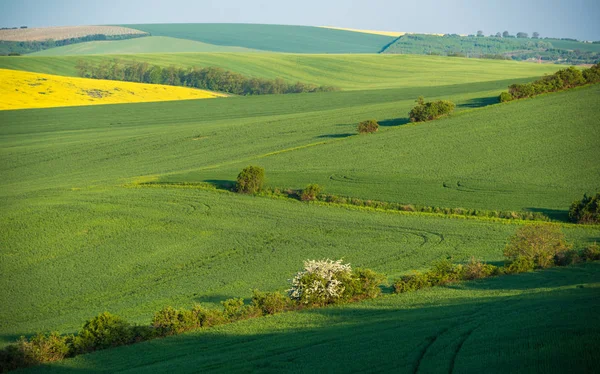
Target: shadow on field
(554,214)
(335,136)
(479,102)
(394,122)
(440,331)
(213,299)
(221,184)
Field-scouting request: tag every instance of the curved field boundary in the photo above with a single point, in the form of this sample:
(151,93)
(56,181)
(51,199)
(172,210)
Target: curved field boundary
(63,32)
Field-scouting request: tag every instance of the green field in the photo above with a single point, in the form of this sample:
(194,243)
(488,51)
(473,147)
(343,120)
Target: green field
(537,322)
(150,44)
(81,234)
(349,72)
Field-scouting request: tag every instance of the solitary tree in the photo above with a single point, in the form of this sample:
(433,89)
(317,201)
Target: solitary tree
(535,35)
(368,127)
(536,243)
(505,34)
(498,34)
(480,33)
(522,35)
(250,179)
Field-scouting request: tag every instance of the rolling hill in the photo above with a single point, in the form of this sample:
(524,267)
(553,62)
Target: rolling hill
(274,38)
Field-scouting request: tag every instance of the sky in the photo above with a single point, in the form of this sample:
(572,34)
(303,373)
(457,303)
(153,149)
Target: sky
(551,18)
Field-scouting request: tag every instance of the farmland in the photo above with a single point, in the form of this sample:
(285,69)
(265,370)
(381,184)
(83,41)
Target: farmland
(63,32)
(129,207)
(23,90)
(150,44)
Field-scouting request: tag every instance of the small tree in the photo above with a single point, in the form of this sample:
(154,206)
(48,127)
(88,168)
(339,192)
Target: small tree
(522,35)
(505,34)
(538,243)
(498,34)
(426,111)
(586,210)
(311,192)
(535,35)
(250,179)
(480,33)
(368,127)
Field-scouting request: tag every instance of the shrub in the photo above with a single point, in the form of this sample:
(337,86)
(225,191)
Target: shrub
(365,284)
(170,321)
(565,258)
(571,77)
(431,110)
(592,75)
(234,309)
(269,302)
(539,243)
(34,351)
(311,192)
(101,332)
(321,282)
(519,265)
(505,96)
(250,179)
(476,269)
(591,253)
(368,127)
(444,271)
(210,317)
(412,282)
(586,210)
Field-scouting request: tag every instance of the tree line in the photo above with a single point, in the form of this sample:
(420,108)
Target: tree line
(208,78)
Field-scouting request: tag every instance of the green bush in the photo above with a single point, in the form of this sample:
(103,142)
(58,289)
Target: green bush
(519,265)
(591,253)
(368,127)
(431,110)
(250,179)
(38,349)
(235,309)
(412,282)
(209,317)
(476,269)
(444,271)
(364,284)
(592,75)
(568,257)
(539,243)
(586,210)
(101,332)
(570,77)
(311,192)
(170,321)
(505,96)
(269,302)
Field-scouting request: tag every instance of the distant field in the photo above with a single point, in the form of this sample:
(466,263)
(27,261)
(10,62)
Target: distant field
(274,38)
(151,44)
(529,323)
(23,90)
(63,32)
(349,72)
(376,32)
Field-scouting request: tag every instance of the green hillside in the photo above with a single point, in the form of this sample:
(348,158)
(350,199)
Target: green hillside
(151,44)
(530,323)
(80,240)
(274,38)
(349,72)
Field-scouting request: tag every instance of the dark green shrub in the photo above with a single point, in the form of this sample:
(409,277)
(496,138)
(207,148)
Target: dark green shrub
(476,269)
(591,253)
(592,75)
(444,271)
(586,210)
(170,321)
(570,77)
(539,243)
(368,127)
(38,349)
(431,110)
(519,265)
(101,332)
(364,284)
(311,192)
(566,258)
(11,358)
(269,302)
(412,282)
(505,96)
(250,179)
(210,317)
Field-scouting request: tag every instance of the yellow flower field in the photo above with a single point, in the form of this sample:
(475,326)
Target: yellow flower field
(22,90)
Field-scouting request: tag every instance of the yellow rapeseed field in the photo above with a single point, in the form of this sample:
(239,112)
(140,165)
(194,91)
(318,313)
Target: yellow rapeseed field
(22,90)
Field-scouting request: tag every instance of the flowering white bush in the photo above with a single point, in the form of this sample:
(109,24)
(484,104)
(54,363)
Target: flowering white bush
(321,282)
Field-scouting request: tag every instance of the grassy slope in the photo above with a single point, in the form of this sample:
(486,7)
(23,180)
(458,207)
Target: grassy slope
(67,220)
(537,322)
(349,72)
(275,38)
(151,44)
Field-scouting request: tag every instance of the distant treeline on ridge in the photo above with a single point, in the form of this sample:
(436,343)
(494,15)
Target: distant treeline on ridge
(209,78)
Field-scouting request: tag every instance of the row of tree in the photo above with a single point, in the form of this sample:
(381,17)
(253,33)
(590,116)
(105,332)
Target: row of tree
(209,78)
(506,34)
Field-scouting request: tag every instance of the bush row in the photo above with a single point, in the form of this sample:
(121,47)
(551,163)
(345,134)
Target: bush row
(561,80)
(532,247)
(319,283)
(209,78)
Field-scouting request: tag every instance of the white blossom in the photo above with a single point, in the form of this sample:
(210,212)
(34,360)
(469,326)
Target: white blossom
(325,284)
